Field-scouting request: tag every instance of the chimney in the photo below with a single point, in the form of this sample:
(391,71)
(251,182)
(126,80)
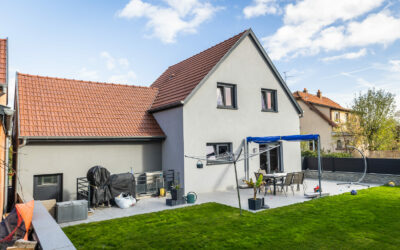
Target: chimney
(319,94)
(305,90)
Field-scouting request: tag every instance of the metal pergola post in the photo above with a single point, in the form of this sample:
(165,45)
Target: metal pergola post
(319,165)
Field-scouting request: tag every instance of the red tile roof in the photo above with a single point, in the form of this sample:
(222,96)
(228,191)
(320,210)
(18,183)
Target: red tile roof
(324,101)
(55,107)
(178,81)
(3,61)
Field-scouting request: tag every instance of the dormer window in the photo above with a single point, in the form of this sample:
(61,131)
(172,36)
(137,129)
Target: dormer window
(226,96)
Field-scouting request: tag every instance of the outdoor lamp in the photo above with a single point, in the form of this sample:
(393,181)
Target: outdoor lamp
(199,164)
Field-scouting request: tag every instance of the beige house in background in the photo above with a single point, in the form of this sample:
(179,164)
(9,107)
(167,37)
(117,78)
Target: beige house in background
(323,116)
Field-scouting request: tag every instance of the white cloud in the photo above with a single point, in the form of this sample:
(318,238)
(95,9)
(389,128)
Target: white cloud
(350,55)
(86,74)
(110,61)
(261,8)
(123,62)
(123,78)
(311,26)
(166,22)
(394,65)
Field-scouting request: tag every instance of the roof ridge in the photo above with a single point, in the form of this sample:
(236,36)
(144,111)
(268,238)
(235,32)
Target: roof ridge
(241,33)
(87,81)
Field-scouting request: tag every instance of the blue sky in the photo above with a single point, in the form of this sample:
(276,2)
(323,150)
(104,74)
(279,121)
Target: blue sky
(341,47)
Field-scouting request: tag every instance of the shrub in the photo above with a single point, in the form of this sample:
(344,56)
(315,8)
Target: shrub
(309,153)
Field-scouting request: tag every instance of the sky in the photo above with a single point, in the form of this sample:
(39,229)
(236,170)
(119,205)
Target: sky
(341,47)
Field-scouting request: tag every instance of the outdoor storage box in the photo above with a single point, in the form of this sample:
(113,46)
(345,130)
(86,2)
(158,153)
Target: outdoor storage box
(71,211)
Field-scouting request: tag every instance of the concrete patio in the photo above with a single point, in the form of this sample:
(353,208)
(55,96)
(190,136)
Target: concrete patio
(149,205)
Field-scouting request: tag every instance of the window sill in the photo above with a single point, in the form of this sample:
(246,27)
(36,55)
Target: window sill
(217,163)
(269,111)
(231,108)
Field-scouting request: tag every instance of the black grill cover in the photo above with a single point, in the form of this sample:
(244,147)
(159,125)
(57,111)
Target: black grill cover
(98,178)
(122,183)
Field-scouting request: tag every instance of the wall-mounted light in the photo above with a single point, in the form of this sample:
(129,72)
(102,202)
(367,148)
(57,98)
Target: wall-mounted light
(199,164)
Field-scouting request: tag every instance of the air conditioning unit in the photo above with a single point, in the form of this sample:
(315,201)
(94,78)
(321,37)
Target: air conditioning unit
(68,211)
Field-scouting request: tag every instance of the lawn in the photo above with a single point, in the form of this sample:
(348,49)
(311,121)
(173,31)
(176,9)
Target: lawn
(370,220)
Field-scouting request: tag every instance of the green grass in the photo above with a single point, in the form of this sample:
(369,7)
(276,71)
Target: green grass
(369,220)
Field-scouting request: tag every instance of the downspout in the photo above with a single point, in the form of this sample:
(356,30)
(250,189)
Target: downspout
(9,113)
(319,165)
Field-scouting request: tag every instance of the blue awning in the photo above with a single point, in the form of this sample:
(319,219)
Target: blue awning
(269,139)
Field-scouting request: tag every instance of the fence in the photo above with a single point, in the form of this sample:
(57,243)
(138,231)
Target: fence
(374,165)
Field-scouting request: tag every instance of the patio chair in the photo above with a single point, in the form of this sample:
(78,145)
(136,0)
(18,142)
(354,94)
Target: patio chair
(287,183)
(298,179)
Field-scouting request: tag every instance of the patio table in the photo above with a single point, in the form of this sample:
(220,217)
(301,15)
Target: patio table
(275,176)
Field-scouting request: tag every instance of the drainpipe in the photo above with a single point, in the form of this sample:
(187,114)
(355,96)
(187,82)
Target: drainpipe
(9,113)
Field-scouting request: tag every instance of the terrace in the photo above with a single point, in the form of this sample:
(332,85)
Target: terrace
(229,198)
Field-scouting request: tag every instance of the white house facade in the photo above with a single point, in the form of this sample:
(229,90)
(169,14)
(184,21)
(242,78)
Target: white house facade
(203,107)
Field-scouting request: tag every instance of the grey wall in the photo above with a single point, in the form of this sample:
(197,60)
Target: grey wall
(204,122)
(171,122)
(74,160)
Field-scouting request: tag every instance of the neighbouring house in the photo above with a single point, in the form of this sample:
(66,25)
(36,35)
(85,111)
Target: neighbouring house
(5,125)
(203,106)
(324,117)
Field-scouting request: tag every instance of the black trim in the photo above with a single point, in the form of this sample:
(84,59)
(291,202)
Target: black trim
(234,95)
(71,139)
(275,96)
(168,106)
(211,162)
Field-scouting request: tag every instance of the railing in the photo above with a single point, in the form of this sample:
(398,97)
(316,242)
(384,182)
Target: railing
(82,189)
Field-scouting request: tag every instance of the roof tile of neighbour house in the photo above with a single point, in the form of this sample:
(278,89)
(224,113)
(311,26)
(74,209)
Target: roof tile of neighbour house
(3,61)
(315,99)
(55,107)
(178,81)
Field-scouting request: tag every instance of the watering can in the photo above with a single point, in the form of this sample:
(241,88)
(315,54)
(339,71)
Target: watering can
(191,197)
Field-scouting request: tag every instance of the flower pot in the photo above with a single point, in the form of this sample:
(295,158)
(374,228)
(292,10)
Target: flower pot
(255,204)
(177,194)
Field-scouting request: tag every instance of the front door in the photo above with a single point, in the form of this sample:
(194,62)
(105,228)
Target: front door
(47,187)
(270,161)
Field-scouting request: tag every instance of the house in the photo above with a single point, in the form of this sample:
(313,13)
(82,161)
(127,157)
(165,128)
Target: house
(203,106)
(324,117)
(5,125)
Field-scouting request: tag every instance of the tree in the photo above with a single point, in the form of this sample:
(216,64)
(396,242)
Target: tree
(372,123)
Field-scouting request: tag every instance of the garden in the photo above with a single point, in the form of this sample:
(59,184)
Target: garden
(366,220)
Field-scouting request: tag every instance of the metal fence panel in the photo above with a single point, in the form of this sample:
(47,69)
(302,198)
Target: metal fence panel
(374,165)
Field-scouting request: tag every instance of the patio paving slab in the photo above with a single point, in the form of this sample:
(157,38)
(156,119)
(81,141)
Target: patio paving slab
(229,197)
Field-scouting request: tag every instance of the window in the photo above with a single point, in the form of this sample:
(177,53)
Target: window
(226,96)
(337,116)
(217,152)
(47,180)
(339,144)
(269,100)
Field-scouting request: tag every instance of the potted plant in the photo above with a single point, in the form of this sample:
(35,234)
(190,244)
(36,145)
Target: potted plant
(176,192)
(255,203)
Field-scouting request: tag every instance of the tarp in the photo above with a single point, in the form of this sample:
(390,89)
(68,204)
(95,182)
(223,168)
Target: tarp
(98,178)
(269,139)
(16,225)
(122,183)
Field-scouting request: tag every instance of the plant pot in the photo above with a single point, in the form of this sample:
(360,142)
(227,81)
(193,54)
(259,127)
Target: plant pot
(176,194)
(255,204)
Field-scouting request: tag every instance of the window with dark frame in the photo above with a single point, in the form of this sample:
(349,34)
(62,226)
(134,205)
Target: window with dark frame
(226,96)
(269,100)
(218,152)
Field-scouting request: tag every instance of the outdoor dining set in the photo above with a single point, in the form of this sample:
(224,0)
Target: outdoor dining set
(281,181)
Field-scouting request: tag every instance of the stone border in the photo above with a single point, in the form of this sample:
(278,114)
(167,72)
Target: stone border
(353,176)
